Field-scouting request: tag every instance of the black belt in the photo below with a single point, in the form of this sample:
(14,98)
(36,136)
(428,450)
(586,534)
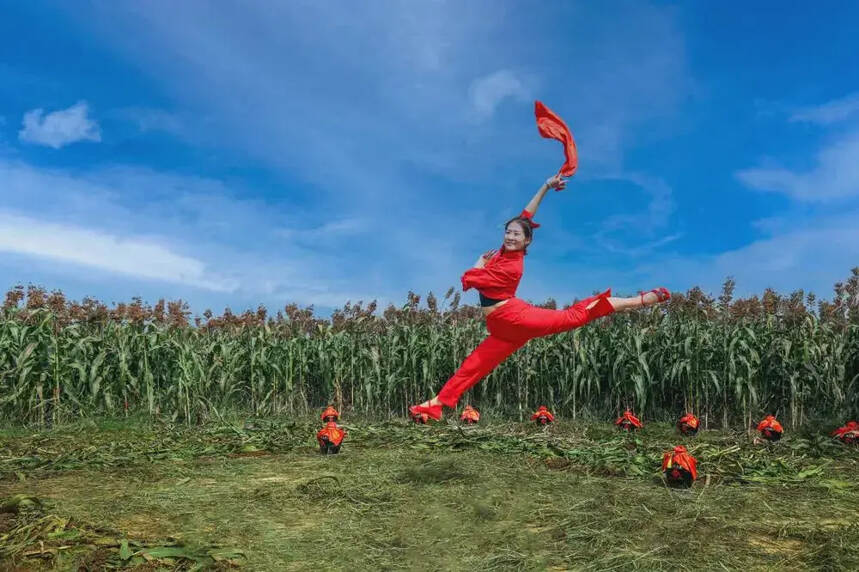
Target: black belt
(484,301)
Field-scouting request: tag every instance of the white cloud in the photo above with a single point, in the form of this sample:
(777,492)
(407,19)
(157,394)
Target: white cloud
(88,247)
(487,92)
(812,255)
(150,119)
(830,112)
(836,175)
(192,231)
(59,128)
(332,230)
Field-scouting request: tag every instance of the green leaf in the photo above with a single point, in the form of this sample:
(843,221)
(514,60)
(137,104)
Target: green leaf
(124,551)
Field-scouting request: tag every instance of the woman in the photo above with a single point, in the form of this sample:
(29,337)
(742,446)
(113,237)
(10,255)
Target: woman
(512,322)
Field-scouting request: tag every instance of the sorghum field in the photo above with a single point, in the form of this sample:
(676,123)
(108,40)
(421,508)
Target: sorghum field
(142,437)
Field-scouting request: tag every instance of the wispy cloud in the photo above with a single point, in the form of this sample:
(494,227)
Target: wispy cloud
(487,92)
(332,230)
(811,255)
(830,112)
(406,83)
(59,128)
(835,177)
(642,225)
(151,119)
(130,256)
(199,232)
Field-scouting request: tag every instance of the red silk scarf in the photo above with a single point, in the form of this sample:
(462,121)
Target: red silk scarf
(551,126)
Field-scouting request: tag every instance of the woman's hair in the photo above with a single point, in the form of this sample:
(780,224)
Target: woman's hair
(525,224)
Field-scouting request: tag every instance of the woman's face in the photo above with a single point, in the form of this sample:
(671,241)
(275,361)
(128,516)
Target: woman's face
(514,237)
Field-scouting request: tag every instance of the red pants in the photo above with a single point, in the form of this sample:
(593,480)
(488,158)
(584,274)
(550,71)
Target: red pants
(510,327)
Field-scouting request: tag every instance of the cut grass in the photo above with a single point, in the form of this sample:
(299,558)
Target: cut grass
(497,497)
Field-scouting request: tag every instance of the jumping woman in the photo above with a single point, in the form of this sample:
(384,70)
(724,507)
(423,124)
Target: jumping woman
(512,322)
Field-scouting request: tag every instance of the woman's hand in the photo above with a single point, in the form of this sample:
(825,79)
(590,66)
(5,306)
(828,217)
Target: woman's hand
(484,258)
(556,182)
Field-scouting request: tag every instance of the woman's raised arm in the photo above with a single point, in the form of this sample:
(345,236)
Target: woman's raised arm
(555,182)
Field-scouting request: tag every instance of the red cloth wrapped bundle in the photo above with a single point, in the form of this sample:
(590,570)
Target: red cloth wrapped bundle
(330,414)
(629,421)
(848,434)
(330,437)
(470,415)
(677,462)
(542,416)
(688,424)
(551,126)
(770,429)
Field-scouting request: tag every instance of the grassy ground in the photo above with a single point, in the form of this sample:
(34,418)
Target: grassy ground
(498,497)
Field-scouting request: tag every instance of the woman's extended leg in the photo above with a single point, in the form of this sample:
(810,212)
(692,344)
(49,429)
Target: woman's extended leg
(536,322)
(485,357)
(650,298)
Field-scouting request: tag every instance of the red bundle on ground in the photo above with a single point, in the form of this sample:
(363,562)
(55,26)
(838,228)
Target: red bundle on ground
(542,416)
(551,126)
(330,438)
(679,467)
(330,414)
(848,434)
(770,429)
(628,421)
(688,424)
(470,415)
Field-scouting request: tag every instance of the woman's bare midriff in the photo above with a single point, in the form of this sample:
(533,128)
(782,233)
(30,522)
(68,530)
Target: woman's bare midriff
(489,309)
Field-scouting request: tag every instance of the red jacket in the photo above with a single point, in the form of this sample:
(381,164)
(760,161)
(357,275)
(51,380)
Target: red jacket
(500,277)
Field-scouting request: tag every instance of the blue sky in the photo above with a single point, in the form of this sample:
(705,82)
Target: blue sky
(271,152)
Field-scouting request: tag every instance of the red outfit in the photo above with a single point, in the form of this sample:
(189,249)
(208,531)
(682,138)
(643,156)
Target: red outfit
(512,324)
(680,458)
(551,126)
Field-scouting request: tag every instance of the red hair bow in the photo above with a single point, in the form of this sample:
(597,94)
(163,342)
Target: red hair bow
(530,218)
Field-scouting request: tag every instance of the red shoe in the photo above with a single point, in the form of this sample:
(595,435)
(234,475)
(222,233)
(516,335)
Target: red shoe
(433,411)
(662,295)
